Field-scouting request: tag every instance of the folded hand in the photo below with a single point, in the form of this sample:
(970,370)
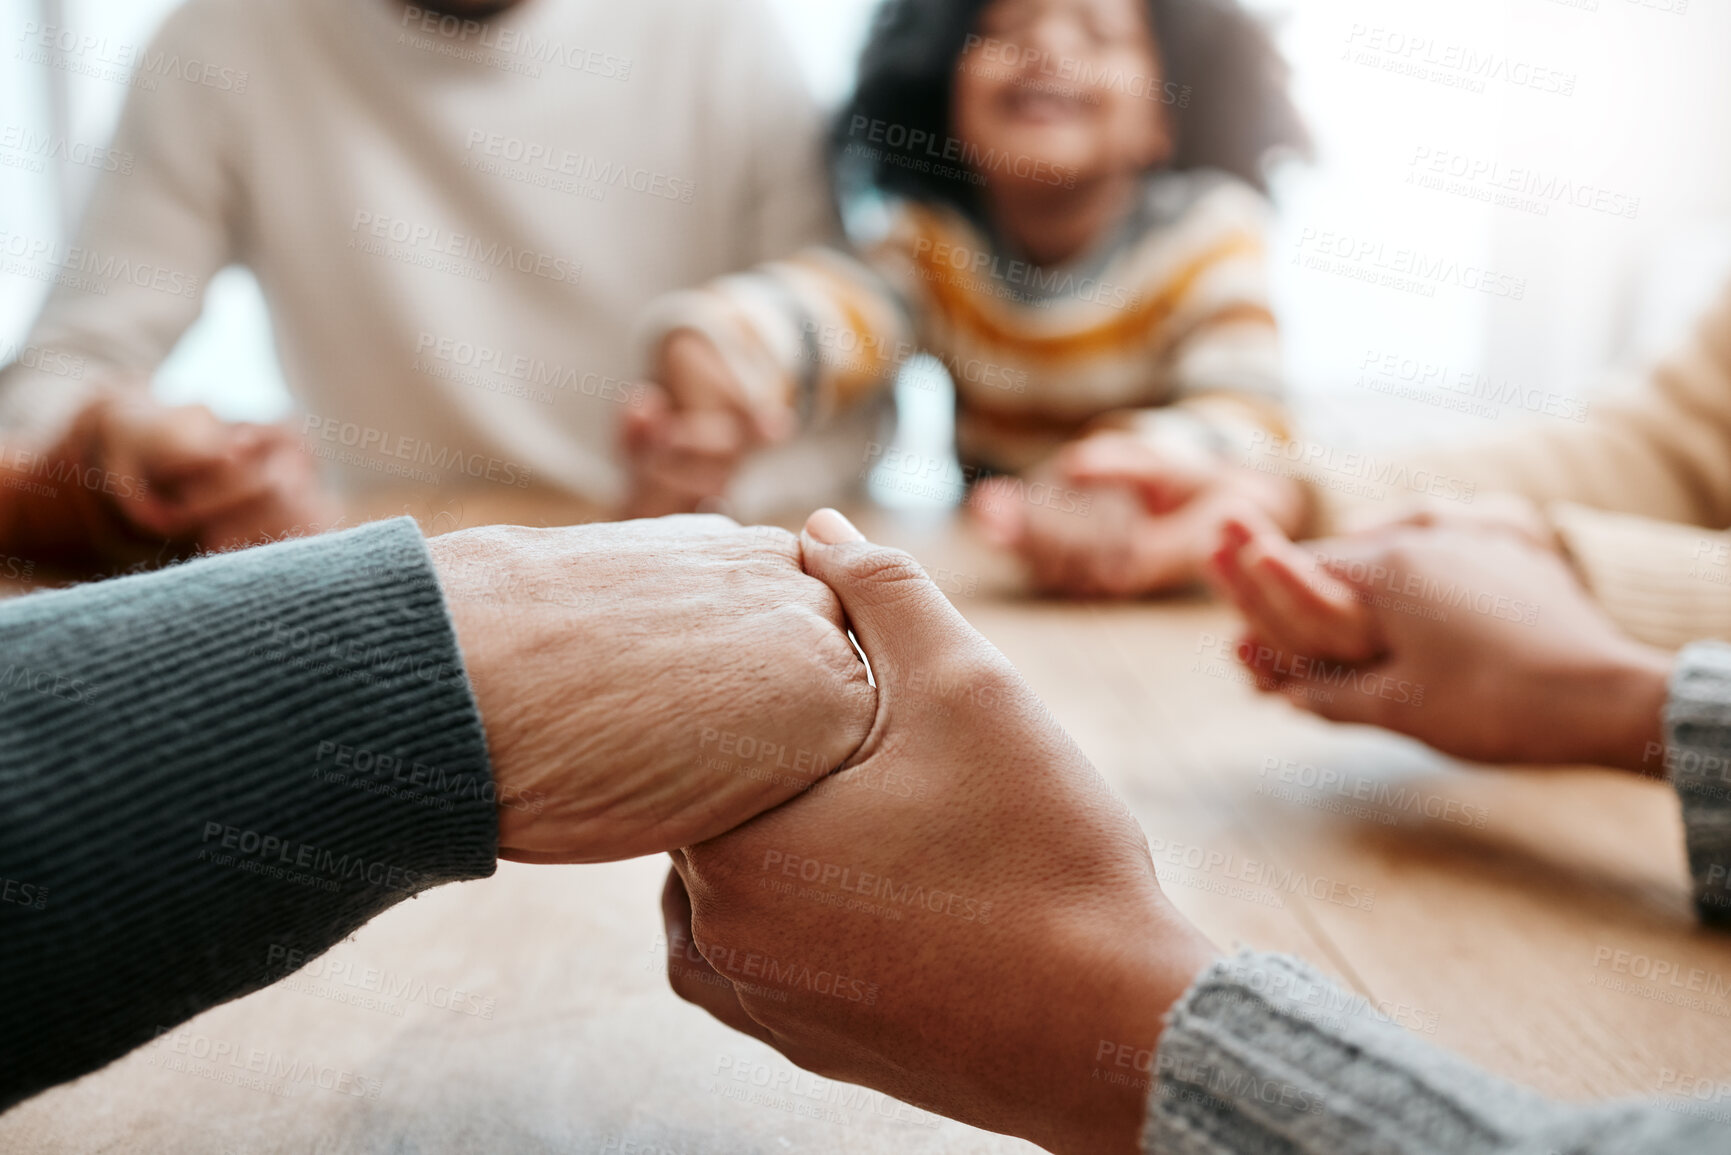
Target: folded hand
(964,917)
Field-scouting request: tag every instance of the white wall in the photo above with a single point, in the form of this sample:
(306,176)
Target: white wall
(1646,119)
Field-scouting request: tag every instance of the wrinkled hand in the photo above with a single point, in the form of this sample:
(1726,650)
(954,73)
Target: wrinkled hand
(964,917)
(687,437)
(649,684)
(1113,516)
(1479,643)
(146,474)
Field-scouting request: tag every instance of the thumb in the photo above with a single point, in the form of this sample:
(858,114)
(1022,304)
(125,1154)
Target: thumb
(901,619)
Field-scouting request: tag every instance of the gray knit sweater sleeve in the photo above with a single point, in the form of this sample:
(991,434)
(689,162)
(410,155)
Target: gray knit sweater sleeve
(207,770)
(1263,1054)
(1698,755)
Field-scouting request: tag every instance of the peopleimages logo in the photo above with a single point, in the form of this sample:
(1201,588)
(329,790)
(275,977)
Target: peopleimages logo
(1024,276)
(104,58)
(467,39)
(45,146)
(368,440)
(273,850)
(917,142)
(580,167)
(432,241)
(47,684)
(533,372)
(876,886)
(1394,374)
(1514,186)
(1073,70)
(23,893)
(1452,65)
(1350,470)
(88,270)
(1400,267)
(52,361)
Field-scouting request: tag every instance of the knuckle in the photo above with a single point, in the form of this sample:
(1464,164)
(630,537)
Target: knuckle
(703,523)
(829,657)
(881,566)
(773,538)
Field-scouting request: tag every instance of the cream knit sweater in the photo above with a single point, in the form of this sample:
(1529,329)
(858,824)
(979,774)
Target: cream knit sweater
(455,224)
(1639,492)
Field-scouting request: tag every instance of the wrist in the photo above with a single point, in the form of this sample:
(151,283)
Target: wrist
(1143,977)
(485,589)
(462,581)
(1284,501)
(1635,687)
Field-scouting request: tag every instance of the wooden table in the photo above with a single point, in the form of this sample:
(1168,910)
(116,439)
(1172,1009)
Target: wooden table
(1518,918)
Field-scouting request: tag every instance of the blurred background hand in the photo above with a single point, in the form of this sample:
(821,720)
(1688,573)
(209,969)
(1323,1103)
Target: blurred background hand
(689,434)
(132,475)
(1113,516)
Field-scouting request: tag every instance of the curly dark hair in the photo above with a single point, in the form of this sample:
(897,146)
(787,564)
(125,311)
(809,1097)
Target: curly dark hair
(1222,79)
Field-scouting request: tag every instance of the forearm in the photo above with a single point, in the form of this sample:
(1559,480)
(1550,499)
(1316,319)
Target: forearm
(812,335)
(1263,1054)
(1658,452)
(193,781)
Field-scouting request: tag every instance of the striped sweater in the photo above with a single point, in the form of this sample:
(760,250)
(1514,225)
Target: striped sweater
(1164,326)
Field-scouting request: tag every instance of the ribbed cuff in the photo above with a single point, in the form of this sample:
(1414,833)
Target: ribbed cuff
(216,767)
(1698,736)
(1663,584)
(1264,1054)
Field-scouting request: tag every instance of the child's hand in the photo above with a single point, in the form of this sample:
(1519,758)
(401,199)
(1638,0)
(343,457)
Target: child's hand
(687,438)
(1074,542)
(680,461)
(1476,642)
(1114,516)
(1291,601)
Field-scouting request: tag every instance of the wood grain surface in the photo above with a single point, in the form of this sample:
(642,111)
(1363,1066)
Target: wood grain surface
(1537,922)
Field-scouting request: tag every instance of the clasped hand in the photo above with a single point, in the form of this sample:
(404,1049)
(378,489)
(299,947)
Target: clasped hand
(922,887)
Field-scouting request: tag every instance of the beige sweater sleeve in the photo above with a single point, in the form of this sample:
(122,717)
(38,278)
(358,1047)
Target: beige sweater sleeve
(1631,491)
(1664,583)
(1661,452)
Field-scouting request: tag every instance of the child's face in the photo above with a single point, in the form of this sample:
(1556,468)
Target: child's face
(1065,87)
